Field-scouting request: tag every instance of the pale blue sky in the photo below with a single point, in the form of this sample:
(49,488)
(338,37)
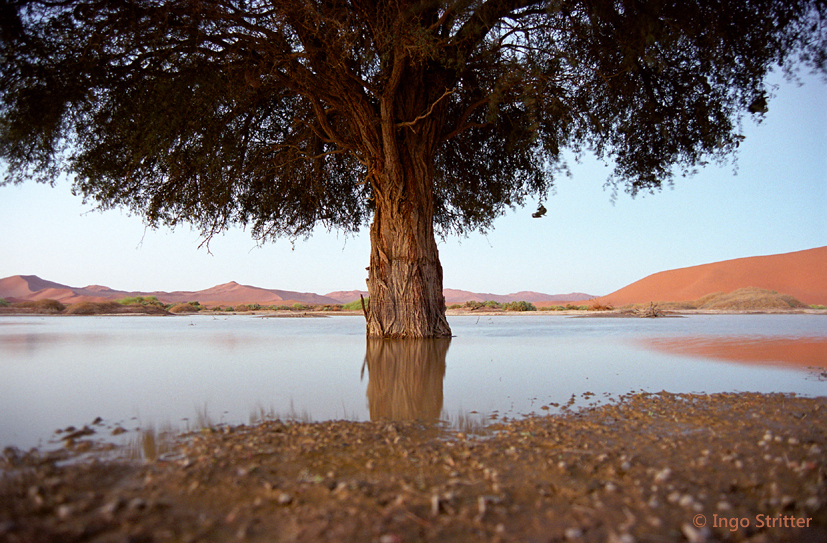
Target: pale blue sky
(776,203)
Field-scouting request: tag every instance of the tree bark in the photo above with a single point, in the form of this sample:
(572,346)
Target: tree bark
(405,278)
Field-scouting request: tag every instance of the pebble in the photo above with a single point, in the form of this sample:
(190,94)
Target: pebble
(695,535)
(573,533)
(65,511)
(723,506)
(663,475)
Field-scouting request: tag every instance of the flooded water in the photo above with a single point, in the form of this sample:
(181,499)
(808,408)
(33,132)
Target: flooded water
(186,372)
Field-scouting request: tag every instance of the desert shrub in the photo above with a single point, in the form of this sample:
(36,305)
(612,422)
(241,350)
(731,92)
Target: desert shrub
(817,306)
(298,307)
(142,300)
(94,308)
(229,308)
(356,305)
(751,298)
(519,306)
(4,302)
(47,306)
(493,304)
(185,307)
(598,306)
(243,307)
(334,307)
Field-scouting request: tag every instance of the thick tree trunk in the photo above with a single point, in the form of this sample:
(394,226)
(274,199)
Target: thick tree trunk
(405,280)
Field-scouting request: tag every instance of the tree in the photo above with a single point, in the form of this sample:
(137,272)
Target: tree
(422,117)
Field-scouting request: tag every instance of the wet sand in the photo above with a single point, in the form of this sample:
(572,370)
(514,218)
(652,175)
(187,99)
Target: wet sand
(648,467)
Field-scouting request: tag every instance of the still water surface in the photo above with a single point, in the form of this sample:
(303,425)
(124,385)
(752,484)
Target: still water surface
(181,372)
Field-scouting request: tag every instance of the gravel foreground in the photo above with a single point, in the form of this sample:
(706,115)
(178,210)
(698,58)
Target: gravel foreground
(649,467)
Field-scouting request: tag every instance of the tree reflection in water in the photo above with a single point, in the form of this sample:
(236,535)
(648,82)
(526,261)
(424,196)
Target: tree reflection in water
(405,378)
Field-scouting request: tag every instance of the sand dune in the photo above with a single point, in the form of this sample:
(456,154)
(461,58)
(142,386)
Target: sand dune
(453,296)
(802,274)
(31,287)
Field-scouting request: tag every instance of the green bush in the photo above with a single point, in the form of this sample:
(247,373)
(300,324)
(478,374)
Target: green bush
(186,307)
(4,302)
(356,305)
(519,306)
(142,300)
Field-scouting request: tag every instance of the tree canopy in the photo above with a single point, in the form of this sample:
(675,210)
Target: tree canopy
(283,115)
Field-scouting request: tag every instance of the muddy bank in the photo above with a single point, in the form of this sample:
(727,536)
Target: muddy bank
(726,467)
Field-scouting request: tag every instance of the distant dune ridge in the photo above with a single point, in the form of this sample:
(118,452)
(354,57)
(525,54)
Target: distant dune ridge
(20,288)
(802,275)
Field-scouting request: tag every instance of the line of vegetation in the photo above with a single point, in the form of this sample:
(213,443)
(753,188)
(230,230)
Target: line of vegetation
(4,302)
(522,306)
(356,305)
(139,300)
(743,299)
(568,307)
(185,307)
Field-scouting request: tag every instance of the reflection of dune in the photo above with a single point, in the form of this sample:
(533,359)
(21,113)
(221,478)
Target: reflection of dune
(797,353)
(405,378)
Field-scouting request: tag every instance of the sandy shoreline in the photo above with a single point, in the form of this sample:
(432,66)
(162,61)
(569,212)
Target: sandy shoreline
(615,313)
(650,467)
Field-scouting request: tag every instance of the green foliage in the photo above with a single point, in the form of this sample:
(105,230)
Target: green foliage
(356,305)
(519,306)
(185,307)
(817,306)
(4,302)
(248,307)
(142,300)
(186,115)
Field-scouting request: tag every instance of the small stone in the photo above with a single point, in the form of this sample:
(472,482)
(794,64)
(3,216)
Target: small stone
(622,538)
(111,507)
(573,533)
(695,535)
(663,475)
(284,499)
(686,501)
(65,511)
(723,506)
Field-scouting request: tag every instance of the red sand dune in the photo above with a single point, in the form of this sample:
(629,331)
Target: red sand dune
(802,274)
